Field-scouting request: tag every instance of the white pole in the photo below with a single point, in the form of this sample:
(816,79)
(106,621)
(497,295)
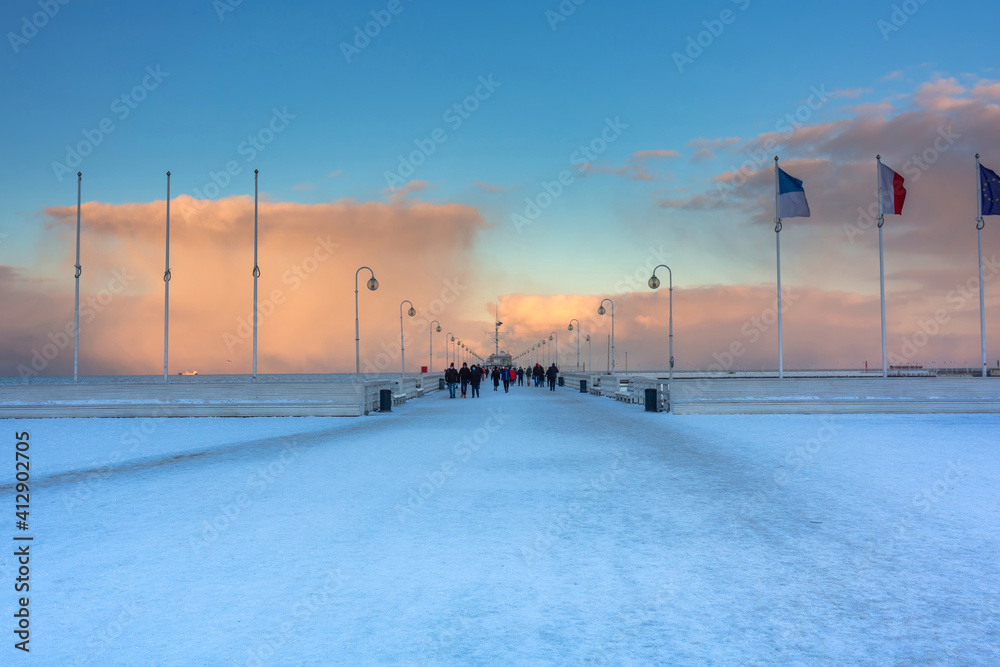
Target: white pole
(76,310)
(979,233)
(881,264)
(256,275)
(777,244)
(166,288)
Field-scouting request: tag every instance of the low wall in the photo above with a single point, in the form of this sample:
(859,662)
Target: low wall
(178,399)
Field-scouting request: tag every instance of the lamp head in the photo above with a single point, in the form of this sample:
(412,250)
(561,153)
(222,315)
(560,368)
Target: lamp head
(411,312)
(452,339)
(570,328)
(372,284)
(588,338)
(601,311)
(654,282)
(439,328)
(550,337)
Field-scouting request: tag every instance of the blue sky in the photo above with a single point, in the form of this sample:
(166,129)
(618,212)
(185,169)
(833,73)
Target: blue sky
(227,67)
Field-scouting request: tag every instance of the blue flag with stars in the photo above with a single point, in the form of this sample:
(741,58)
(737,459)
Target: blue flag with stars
(989,191)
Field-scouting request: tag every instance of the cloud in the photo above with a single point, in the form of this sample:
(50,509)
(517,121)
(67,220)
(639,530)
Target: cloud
(636,168)
(308,255)
(491,188)
(655,154)
(304,187)
(335,174)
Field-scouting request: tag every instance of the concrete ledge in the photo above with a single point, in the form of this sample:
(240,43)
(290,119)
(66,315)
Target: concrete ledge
(232,399)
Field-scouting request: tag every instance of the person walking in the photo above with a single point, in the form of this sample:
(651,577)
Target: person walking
(505,376)
(451,377)
(464,376)
(552,374)
(475,381)
(495,376)
(538,374)
(520,376)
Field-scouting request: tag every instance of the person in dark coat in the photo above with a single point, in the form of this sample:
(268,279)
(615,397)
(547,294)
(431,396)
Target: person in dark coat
(538,374)
(505,377)
(451,378)
(495,376)
(552,374)
(520,376)
(464,376)
(476,380)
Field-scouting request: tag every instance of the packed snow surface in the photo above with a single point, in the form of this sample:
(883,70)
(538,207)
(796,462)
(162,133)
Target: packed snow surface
(531,528)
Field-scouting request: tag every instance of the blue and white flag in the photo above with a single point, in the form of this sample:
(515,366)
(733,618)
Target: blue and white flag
(791,197)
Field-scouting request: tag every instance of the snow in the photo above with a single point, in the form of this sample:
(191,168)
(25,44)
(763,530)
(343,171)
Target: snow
(534,527)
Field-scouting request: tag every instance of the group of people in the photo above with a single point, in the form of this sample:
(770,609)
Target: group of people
(473,376)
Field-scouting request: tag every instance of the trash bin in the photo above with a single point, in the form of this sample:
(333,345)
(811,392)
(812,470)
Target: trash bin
(440,384)
(583,386)
(561,381)
(385,400)
(651,402)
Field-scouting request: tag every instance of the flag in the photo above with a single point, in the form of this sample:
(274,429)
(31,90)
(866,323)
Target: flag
(989,191)
(893,193)
(791,197)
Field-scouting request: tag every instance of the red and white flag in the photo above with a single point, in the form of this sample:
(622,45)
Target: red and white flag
(892,194)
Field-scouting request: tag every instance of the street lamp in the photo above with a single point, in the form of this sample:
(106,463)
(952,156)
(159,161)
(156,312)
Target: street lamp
(601,311)
(402,350)
(372,285)
(590,360)
(557,346)
(430,335)
(577,340)
(448,338)
(654,282)
(545,354)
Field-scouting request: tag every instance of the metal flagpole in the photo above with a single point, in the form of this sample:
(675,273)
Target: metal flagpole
(979,232)
(881,264)
(256,275)
(166,288)
(76,311)
(777,243)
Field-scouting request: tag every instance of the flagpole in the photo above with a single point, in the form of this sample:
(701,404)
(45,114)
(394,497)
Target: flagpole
(979,232)
(166,288)
(777,243)
(76,310)
(256,275)
(881,265)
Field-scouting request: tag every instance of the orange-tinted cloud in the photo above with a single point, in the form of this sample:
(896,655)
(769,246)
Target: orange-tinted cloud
(308,255)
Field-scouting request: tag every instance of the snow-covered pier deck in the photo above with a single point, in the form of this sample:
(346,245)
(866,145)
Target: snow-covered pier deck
(527,528)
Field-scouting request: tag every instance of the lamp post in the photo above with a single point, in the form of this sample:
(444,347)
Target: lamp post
(601,311)
(402,350)
(590,361)
(430,335)
(545,357)
(577,340)
(654,282)
(556,357)
(372,285)
(448,339)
